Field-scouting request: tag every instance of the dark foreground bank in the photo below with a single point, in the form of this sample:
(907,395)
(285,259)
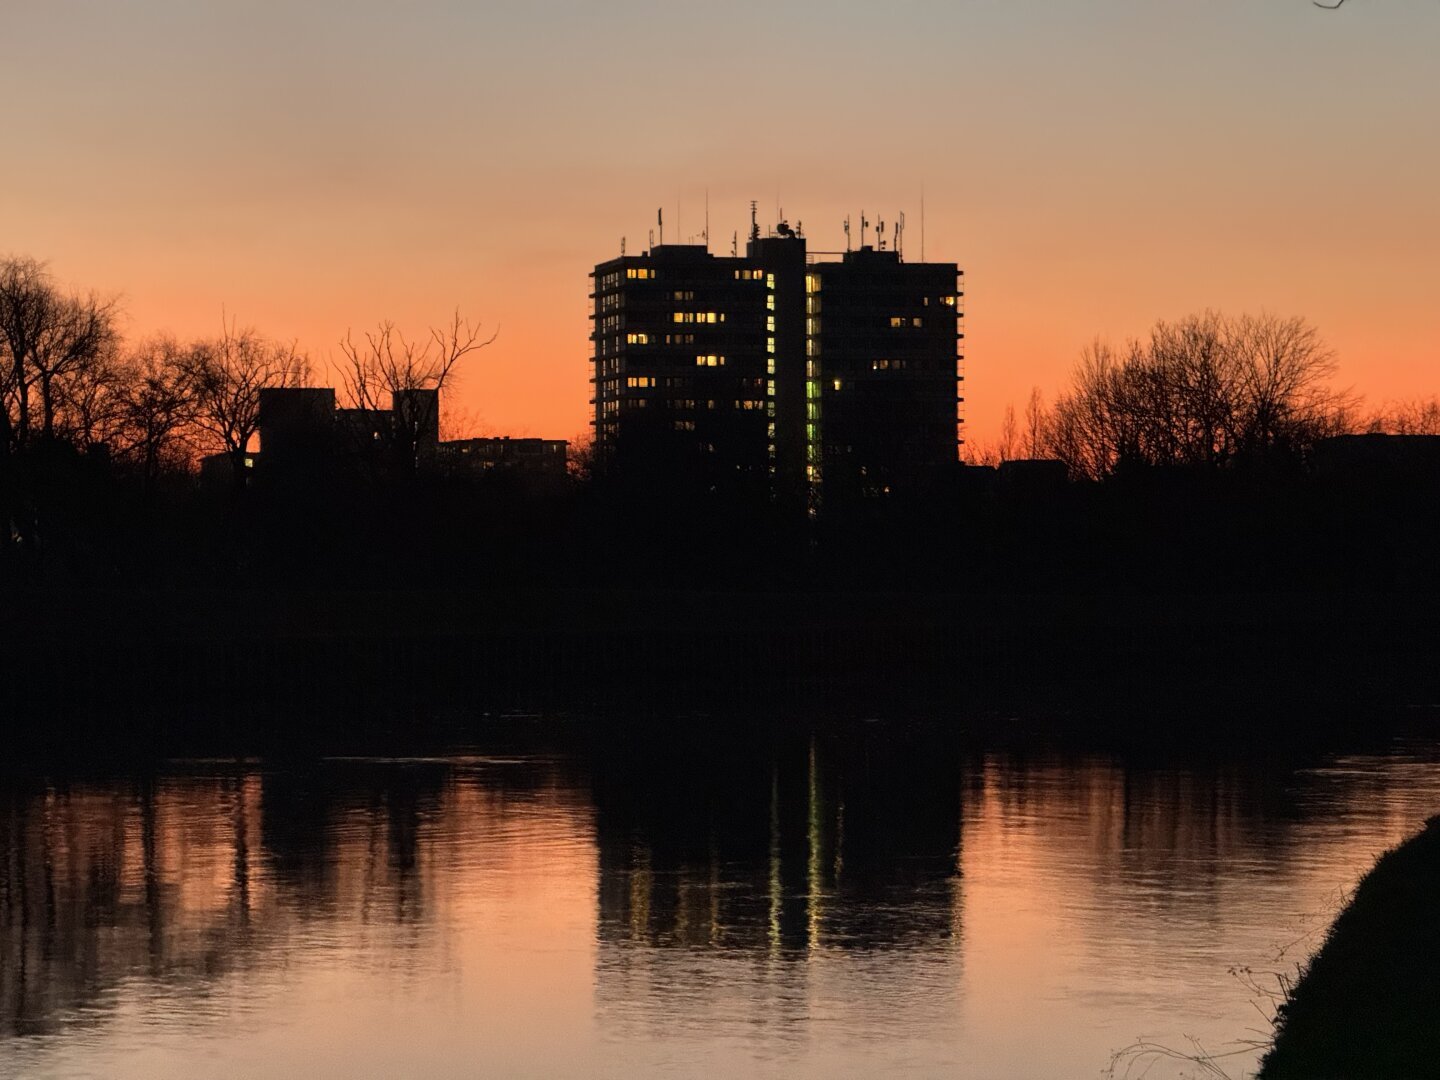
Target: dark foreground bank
(1369,1005)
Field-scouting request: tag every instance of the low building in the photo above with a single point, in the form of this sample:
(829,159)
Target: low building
(535,458)
(303,435)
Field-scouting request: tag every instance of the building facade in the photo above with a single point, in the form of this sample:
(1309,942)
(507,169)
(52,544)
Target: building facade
(303,437)
(798,374)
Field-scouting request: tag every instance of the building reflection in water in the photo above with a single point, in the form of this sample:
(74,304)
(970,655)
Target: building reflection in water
(803,847)
(793,874)
(803,904)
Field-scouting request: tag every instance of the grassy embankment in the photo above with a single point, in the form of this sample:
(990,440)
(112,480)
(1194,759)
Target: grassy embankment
(1368,1006)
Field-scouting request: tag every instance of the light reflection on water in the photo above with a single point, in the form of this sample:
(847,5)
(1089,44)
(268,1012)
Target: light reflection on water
(827,906)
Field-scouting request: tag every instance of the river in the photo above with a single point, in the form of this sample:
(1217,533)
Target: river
(862,902)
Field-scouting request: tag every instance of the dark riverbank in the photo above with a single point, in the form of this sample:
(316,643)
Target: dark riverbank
(1216,666)
(1368,1005)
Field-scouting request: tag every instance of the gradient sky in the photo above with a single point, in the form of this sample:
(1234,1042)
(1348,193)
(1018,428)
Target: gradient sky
(312,167)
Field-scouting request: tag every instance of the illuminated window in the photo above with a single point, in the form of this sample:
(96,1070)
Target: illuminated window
(770,323)
(836,384)
(812,283)
(684,425)
(769,344)
(897,320)
(683,294)
(770,302)
(770,388)
(710,360)
(637,339)
(769,365)
(948,301)
(642,273)
(770,281)
(917,321)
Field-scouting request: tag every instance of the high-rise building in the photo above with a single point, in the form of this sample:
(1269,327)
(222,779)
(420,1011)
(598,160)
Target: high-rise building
(804,375)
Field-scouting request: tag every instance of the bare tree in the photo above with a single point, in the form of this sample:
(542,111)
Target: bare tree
(1416,417)
(1034,423)
(1204,392)
(400,378)
(157,406)
(979,453)
(90,410)
(44,337)
(1009,438)
(227,376)
(81,332)
(26,309)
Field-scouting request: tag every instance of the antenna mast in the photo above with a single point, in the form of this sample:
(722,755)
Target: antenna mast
(660,220)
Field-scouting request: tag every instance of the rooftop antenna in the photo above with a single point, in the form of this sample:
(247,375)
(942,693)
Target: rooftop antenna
(880,232)
(652,239)
(863,226)
(707,219)
(847,232)
(754,224)
(735,244)
(660,220)
(622,247)
(900,235)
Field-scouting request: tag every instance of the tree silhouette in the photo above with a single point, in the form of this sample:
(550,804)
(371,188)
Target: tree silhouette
(376,376)
(1205,392)
(228,375)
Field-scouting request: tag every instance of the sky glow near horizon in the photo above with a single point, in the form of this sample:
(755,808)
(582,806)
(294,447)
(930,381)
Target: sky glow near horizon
(314,168)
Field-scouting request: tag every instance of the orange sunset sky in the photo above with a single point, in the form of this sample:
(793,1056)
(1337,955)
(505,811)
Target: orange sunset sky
(1093,166)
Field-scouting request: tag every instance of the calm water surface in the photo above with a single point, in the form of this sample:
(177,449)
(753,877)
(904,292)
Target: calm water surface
(825,906)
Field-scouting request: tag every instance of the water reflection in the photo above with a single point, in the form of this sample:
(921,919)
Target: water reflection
(809,905)
(807,846)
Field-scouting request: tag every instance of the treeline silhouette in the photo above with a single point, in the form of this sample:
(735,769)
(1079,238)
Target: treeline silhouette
(1201,525)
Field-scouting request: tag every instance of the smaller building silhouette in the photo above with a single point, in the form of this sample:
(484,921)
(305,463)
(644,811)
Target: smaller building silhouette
(304,436)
